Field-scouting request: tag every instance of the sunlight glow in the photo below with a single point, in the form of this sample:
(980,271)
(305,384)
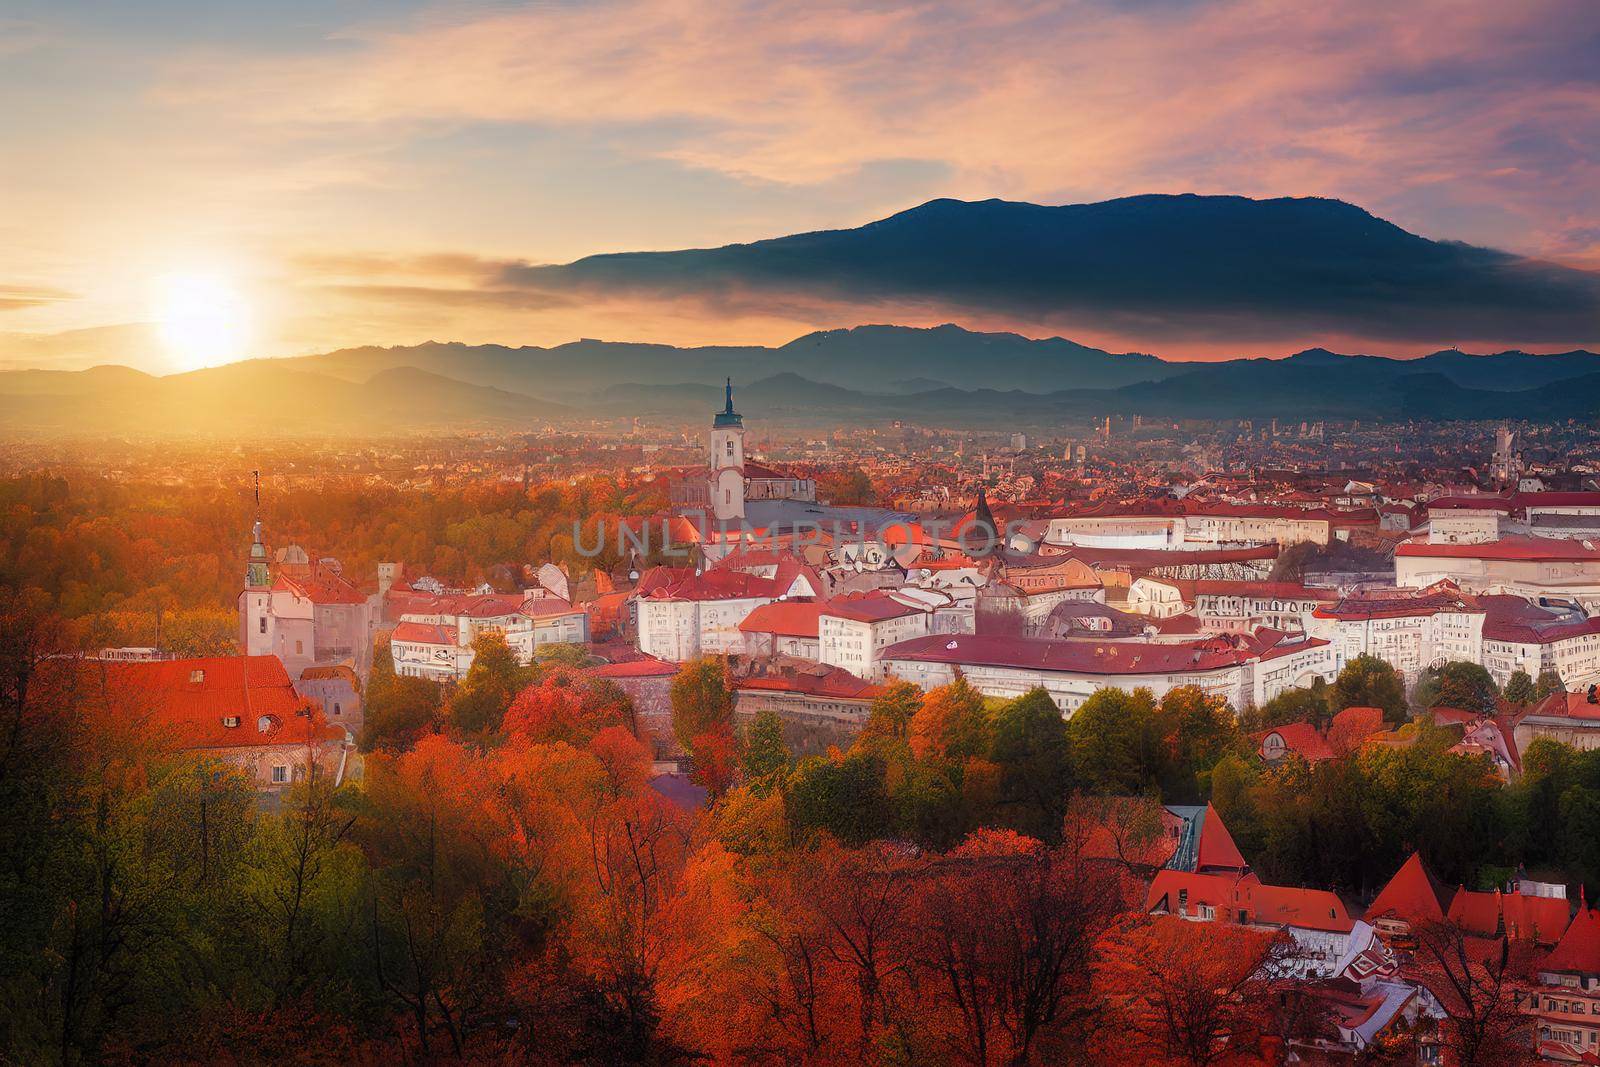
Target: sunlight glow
(203,319)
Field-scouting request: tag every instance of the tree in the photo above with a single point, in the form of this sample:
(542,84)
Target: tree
(1114,746)
(399,713)
(950,724)
(845,797)
(1458,684)
(566,705)
(1520,688)
(1479,992)
(701,700)
(1548,682)
(1294,561)
(1369,682)
(1006,930)
(890,714)
(1191,992)
(716,760)
(1291,705)
(1196,730)
(765,757)
(1030,747)
(492,682)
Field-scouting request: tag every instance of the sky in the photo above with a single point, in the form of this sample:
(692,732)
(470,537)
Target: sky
(188,181)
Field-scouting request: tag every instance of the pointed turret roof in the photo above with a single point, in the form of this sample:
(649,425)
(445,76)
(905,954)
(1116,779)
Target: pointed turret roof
(1410,895)
(1579,948)
(1217,850)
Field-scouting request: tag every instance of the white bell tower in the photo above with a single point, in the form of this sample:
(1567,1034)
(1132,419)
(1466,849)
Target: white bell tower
(727,463)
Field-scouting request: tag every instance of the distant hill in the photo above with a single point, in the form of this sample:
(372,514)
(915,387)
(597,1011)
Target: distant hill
(869,374)
(258,396)
(1184,266)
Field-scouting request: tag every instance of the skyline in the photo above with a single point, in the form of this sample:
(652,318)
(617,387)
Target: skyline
(367,173)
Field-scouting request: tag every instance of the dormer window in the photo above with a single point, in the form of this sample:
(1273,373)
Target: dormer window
(196,677)
(264,723)
(230,721)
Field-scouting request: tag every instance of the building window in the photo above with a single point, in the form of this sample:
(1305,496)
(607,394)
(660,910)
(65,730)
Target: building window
(196,677)
(730,446)
(299,648)
(280,775)
(336,707)
(262,624)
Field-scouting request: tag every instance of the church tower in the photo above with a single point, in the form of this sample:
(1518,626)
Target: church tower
(256,624)
(727,463)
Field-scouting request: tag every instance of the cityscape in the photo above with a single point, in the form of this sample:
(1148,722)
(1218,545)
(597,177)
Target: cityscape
(637,533)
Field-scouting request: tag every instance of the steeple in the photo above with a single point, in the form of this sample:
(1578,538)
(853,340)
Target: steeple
(727,416)
(256,573)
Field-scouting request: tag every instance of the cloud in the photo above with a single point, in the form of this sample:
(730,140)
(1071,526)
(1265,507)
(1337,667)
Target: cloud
(1365,100)
(27,296)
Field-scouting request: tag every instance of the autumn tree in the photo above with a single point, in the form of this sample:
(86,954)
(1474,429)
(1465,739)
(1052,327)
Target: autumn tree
(1186,992)
(1480,993)
(700,698)
(566,705)
(1005,931)
(890,714)
(950,724)
(400,712)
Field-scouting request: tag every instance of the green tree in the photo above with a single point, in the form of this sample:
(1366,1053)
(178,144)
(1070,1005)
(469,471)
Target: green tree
(1196,731)
(765,757)
(1458,684)
(1291,705)
(1520,689)
(1031,748)
(1114,744)
(492,682)
(701,700)
(1233,794)
(399,712)
(1548,682)
(1369,682)
(1579,813)
(844,797)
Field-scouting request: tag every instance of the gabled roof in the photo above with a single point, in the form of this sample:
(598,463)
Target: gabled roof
(1579,949)
(189,702)
(1301,738)
(787,618)
(1518,916)
(1410,895)
(421,633)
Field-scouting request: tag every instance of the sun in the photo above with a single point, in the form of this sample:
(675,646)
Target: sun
(203,319)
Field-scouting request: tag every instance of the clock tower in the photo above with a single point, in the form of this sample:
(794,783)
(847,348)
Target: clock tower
(727,462)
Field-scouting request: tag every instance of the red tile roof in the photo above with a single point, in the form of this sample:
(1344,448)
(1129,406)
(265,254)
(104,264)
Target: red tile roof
(648,667)
(1217,850)
(1079,657)
(1541,919)
(421,633)
(786,618)
(187,701)
(870,607)
(1579,948)
(1510,547)
(1410,895)
(1301,738)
